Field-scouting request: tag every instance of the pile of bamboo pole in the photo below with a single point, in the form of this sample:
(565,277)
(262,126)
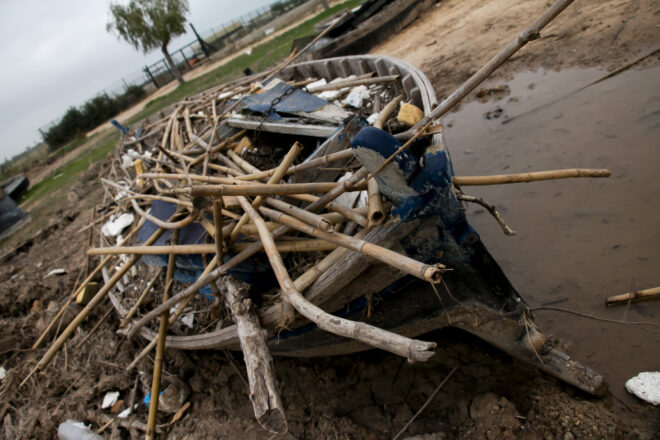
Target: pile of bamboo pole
(189,159)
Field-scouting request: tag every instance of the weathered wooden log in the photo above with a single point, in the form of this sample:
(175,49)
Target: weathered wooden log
(265,398)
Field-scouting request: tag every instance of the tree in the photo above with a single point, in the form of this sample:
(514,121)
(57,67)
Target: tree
(150,24)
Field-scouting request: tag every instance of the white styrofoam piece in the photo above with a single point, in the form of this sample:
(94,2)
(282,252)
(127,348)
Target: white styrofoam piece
(646,386)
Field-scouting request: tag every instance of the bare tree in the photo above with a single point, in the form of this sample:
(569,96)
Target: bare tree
(150,24)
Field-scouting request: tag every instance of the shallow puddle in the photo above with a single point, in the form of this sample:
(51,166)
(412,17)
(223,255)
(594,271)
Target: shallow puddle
(579,240)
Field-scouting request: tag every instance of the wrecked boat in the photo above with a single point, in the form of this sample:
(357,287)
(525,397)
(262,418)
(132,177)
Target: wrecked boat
(425,222)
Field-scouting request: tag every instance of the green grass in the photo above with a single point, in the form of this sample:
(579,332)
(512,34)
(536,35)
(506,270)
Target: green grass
(262,57)
(66,175)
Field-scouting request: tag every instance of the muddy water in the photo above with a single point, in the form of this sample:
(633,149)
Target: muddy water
(581,240)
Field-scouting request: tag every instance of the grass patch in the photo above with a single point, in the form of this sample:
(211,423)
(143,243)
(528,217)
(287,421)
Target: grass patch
(262,57)
(65,175)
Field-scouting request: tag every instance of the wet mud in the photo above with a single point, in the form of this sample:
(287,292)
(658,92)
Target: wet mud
(580,240)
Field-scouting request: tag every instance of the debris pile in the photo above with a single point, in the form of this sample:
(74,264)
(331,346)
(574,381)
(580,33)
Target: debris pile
(252,209)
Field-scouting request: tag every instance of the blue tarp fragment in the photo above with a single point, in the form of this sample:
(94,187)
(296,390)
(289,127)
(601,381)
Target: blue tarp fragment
(297,101)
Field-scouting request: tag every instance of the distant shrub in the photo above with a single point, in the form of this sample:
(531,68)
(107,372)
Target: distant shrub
(94,112)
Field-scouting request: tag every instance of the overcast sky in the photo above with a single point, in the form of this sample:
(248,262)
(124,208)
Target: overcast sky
(57,54)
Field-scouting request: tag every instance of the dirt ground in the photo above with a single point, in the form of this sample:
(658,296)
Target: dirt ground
(370,395)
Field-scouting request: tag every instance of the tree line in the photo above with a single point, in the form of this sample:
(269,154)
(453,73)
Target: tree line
(79,120)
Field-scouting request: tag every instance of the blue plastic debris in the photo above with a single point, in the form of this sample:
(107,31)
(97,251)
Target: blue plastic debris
(147,398)
(119,127)
(291,101)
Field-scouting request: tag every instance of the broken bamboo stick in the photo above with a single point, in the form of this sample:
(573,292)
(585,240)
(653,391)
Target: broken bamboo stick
(638,295)
(355,215)
(351,83)
(80,288)
(376,213)
(218,236)
(140,299)
(191,249)
(160,346)
(274,189)
(308,217)
(430,273)
(533,176)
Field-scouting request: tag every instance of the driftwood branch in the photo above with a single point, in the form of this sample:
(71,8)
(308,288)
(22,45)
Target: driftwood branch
(490,208)
(265,399)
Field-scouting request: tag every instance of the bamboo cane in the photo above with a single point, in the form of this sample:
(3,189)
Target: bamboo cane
(191,249)
(313,163)
(352,83)
(100,296)
(291,155)
(365,333)
(163,224)
(376,214)
(308,217)
(639,295)
(195,177)
(354,215)
(217,223)
(244,164)
(530,177)
(160,347)
(430,273)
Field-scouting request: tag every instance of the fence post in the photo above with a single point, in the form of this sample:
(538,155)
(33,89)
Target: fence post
(151,77)
(185,59)
(203,44)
